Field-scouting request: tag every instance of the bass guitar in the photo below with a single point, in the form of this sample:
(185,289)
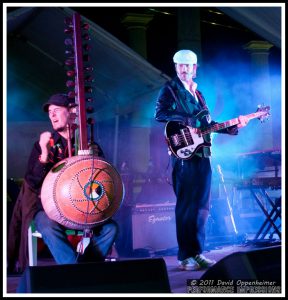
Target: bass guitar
(184,141)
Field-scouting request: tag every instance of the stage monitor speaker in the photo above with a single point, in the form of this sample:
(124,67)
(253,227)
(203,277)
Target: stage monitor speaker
(261,264)
(127,276)
(153,226)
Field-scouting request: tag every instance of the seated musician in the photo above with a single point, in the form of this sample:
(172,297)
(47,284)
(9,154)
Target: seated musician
(51,148)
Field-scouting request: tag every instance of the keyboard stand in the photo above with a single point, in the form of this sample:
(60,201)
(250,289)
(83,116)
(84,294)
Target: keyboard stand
(271,217)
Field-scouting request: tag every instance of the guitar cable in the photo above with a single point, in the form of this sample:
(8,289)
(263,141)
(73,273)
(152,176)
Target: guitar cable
(166,171)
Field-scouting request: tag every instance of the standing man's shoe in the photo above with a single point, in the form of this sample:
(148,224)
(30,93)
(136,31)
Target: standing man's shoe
(203,261)
(188,264)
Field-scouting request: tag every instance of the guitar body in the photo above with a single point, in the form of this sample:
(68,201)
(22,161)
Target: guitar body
(182,140)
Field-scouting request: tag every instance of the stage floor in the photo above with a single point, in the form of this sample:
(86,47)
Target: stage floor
(177,278)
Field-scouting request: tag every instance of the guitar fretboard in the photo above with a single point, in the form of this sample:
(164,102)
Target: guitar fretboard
(231,123)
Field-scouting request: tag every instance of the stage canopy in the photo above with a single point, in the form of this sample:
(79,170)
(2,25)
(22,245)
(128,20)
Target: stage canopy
(36,56)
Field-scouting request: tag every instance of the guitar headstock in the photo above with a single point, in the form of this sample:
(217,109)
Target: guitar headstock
(263,112)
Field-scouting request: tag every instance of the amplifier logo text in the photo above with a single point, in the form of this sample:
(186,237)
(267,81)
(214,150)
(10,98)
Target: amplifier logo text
(154,219)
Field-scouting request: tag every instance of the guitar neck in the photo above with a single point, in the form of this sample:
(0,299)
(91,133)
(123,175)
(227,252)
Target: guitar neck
(79,82)
(229,123)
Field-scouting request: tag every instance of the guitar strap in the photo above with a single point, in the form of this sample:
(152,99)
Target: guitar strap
(176,99)
(201,99)
(172,92)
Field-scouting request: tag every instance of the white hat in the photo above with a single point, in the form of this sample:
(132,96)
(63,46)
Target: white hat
(185,57)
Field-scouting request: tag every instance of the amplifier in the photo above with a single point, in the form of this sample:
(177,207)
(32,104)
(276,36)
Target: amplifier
(154,227)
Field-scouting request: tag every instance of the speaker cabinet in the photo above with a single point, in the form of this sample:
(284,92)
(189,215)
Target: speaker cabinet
(129,276)
(153,226)
(261,264)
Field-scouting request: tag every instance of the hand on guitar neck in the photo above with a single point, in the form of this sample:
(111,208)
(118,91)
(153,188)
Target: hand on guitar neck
(243,121)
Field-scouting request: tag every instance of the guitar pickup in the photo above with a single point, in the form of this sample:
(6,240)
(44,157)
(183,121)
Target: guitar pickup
(175,140)
(187,136)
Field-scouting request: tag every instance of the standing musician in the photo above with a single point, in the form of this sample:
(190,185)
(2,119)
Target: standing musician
(50,149)
(179,100)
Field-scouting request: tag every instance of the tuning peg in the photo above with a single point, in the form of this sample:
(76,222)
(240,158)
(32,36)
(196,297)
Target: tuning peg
(70,73)
(87,47)
(68,42)
(85,26)
(90,100)
(69,62)
(88,89)
(89,109)
(88,69)
(68,30)
(70,83)
(71,94)
(86,37)
(69,52)
(74,126)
